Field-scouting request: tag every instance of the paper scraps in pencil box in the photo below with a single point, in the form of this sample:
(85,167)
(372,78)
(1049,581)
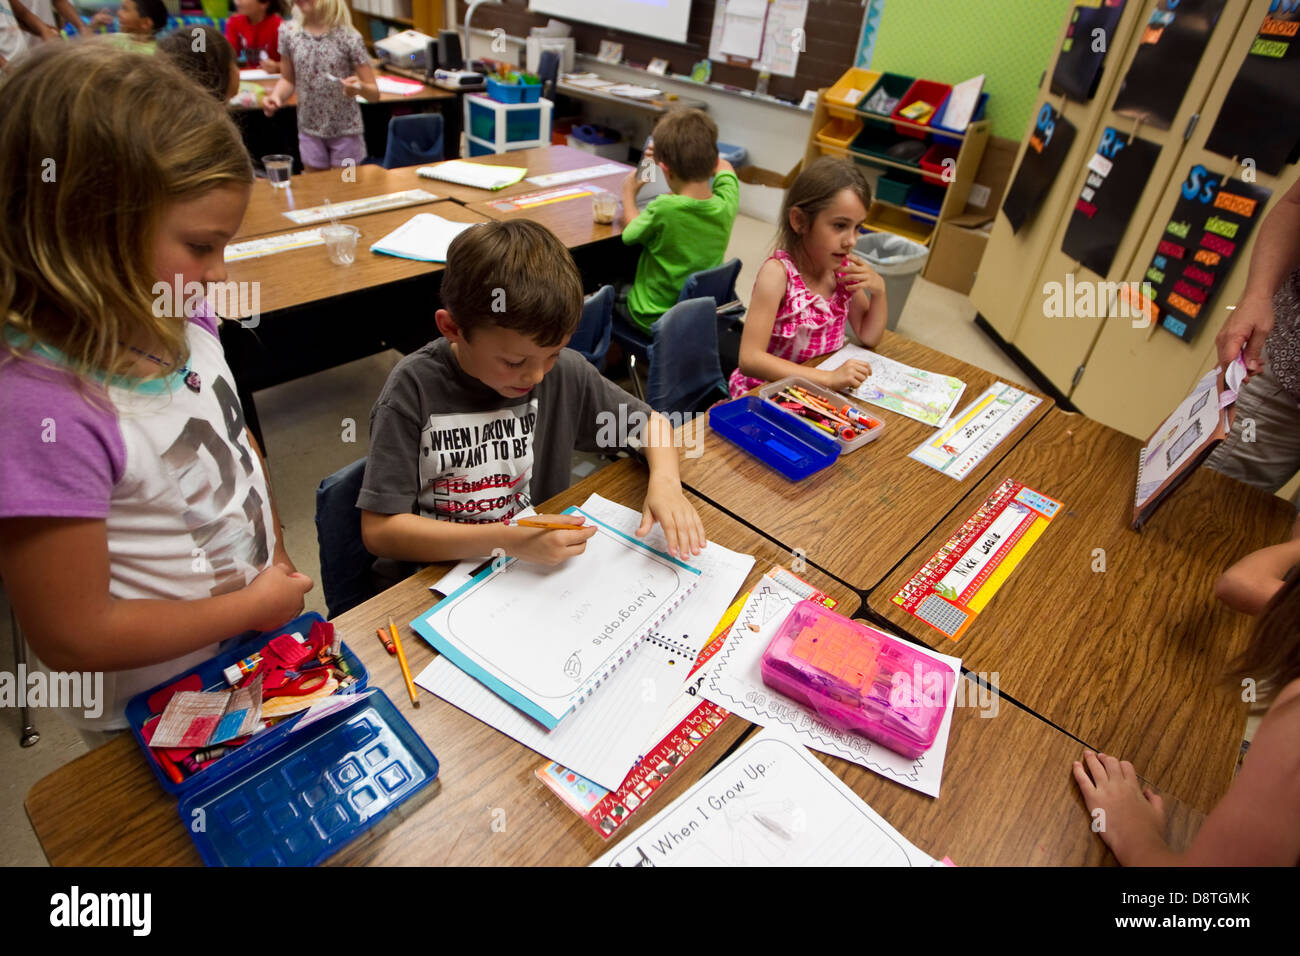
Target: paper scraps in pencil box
(203,718)
(771,803)
(736,683)
(424,237)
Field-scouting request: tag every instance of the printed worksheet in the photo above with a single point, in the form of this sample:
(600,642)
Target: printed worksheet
(736,683)
(925,396)
(771,803)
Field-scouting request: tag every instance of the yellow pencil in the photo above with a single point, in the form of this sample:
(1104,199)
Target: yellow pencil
(539,522)
(401,659)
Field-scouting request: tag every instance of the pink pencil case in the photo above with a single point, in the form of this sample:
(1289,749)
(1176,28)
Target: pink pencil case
(859,679)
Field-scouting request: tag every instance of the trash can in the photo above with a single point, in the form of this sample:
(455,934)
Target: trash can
(898,261)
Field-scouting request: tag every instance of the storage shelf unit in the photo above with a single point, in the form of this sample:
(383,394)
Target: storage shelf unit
(495,127)
(914,224)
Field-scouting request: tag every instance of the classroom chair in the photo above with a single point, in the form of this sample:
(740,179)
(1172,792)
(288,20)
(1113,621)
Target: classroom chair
(414,140)
(344,561)
(548,71)
(685,375)
(28,735)
(594,329)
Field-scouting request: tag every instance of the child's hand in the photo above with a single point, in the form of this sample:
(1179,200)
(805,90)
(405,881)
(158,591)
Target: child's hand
(271,103)
(855,274)
(1131,820)
(665,503)
(542,546)
(848,376)
(102,19)
(351,85)
(277,596)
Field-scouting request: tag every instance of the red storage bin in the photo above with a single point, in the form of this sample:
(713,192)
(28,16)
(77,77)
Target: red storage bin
(930,92)
(932,167)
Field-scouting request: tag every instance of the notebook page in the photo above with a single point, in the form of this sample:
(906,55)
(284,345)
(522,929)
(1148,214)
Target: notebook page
(423,236)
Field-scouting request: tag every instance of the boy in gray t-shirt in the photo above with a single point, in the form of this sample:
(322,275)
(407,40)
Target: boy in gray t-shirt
(480,424)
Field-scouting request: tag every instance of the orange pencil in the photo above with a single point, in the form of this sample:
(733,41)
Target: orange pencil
(386,641)
(401,659)
(549,525)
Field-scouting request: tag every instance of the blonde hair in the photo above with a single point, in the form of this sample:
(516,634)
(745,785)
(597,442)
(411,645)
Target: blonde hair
(333,14)
(96,143)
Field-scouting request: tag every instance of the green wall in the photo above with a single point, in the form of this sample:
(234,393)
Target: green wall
(1010,41)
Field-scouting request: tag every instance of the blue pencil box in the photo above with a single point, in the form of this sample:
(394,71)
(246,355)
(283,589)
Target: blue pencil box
(293,796)
(773,437)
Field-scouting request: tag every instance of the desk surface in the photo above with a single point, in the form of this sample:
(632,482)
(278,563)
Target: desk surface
(858,517)
(656,105)
(570,219)
(267,206)
(301,276)
(132,821)
(1129,659)
(426,92)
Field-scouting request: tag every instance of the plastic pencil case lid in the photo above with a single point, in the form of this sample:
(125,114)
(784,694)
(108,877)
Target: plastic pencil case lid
(318,789)
(859,679)
(774,437)
(211,676)
(870,432)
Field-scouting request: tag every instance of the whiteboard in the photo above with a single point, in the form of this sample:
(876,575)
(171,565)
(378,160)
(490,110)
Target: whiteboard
(664,19)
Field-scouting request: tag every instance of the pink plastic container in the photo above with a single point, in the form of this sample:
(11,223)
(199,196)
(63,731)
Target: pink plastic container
(859,679)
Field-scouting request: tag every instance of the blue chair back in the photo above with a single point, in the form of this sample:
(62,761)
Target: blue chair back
(414,140)
(718,283)
(595,328)
(344,561)
(685,374)
(548,71)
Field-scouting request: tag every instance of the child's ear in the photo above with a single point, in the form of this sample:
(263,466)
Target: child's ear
(447,326)
(798,220)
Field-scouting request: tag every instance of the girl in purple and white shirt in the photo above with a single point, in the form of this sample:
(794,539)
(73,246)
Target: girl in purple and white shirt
(137,528)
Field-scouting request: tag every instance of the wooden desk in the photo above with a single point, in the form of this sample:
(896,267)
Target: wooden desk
(268,205)
(569,219)
(302,276)
(858,517)
(425,94)
(132,821)
(1131,659)
(1008,797)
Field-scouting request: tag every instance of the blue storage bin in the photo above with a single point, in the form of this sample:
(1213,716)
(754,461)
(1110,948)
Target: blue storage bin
(521,125)
(943,109)
(513,92)
(314,793)
(211,677)
(773,437)
(736,155)
(926,198)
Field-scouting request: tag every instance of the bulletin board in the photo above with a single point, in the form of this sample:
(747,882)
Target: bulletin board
(831,33)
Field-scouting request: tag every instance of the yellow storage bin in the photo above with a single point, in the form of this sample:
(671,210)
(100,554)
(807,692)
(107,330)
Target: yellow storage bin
(844,96)
(839,132)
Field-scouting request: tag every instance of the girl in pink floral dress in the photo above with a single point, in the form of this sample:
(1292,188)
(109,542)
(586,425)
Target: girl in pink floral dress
(812,285)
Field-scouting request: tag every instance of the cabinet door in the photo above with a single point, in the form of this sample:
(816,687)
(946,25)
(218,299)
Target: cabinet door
(1135,376)
(1006,284)
(1072,302)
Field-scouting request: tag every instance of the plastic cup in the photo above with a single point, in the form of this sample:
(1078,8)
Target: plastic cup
(278,169)
(341,242)
(603,206)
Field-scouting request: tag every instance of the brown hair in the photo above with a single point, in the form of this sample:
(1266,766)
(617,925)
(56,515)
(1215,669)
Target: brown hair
(516,275)
(686,141)
(209,65)
(95,143)
(816,188)
(1273,658)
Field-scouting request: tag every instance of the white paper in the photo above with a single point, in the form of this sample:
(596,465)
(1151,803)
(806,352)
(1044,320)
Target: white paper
(771,803)
(976,430)
(634,91)
(927,397)
(741,36)
(779,51)
(359,207)
(396,87)
(737,684)
(1180,437)
(464,571)
(423,236)
(576,175)
(961,103)
(480,175)
(604,737)
(256,74)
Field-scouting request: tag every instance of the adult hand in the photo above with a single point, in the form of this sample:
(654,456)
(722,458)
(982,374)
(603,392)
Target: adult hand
(1247,327)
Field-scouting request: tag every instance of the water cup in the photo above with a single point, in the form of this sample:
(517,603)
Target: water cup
(603,206)
(278,169)
(341,241)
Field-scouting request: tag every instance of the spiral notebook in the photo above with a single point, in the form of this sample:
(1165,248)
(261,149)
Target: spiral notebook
(1185,439)
(544,639)
(480,175)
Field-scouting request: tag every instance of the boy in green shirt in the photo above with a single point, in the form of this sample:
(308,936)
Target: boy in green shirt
(684,231)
